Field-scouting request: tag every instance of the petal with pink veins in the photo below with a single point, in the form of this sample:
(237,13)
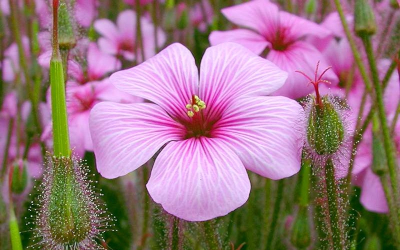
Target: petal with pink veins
(198,179)
(224,78)
(168,79)
(247,38)
(125,136)
(266,133)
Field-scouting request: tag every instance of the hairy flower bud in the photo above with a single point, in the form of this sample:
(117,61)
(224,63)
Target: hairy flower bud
(19,178)
(70,217)
(364,19)
(325,132)
(66,36)
(301,230)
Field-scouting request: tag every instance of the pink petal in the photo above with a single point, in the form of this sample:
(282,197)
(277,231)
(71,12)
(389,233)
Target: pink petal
(126,23)
(198,179)
(303,57)
(106,28)
(229,70)
(125,136)
(266,133)
(108,46)
(168,79)
(247,38)
(99,63)
(85,11)
(372,195)
(259,15)
(299,27)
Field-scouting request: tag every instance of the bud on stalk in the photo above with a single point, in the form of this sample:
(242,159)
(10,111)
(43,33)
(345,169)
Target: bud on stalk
(364,19)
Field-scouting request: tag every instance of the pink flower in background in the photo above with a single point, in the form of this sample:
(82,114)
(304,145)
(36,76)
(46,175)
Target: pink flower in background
(85,12)
(10,65)
(210,129)
(97,66)
(80,101)
(119,39)
(201,14)
(280,32)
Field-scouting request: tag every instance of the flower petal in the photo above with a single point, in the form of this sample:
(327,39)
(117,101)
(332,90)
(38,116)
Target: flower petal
(125,136)
(198,179)
(247,38)
(106,28)
(100,63)
(229,70)
(266,133)
(168,79)
(372,195)
(259,15)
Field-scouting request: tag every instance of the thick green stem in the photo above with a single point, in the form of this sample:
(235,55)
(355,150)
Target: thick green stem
(392,210)
(275,215)
(337,235)
(388,144)
(305,182)
(14,230)
(58,102)
(353,46)
(175,239)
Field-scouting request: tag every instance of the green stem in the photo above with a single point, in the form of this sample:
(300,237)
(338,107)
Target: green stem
(14,230)
(392,210)
(146,209)
(6,149)
(354,49)
(337,236)
(396,116)
(388,144)
(139,38)
(58,104)
(266,211)
(275,215)
(175,239)
(305,182)
(211,235)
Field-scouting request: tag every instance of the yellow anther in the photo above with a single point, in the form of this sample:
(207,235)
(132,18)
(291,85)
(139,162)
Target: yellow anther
(196,108)
(201,104)
(196,98)
(190,113)
(189,106)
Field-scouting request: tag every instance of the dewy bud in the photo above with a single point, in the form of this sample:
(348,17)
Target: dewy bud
(325,132)
(364,19)
(66,36)
(69,217)
(301,231)
(19,178)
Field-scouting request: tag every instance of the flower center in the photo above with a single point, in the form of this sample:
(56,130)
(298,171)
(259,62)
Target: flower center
(197,126)
(127,45)
(281,39)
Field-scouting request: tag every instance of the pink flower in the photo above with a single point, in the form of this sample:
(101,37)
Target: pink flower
(209,130)
(120,39)
(282,34)
(201,14)
(11,67)
(85,12)
(98,65)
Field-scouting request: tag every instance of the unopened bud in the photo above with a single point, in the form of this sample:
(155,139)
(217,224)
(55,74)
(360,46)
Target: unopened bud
(70,217)
(66,36)
(379,165)
(325,132)
(301,230)
(364,19)
(19,178)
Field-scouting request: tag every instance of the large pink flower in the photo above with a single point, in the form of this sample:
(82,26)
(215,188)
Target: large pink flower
(120,39)
(282,34)
(210,129)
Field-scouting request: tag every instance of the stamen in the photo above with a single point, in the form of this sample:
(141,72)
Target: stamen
(195,105)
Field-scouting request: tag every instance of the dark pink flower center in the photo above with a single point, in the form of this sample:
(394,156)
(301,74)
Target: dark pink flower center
(127,45)
(198,125)
(280,40)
